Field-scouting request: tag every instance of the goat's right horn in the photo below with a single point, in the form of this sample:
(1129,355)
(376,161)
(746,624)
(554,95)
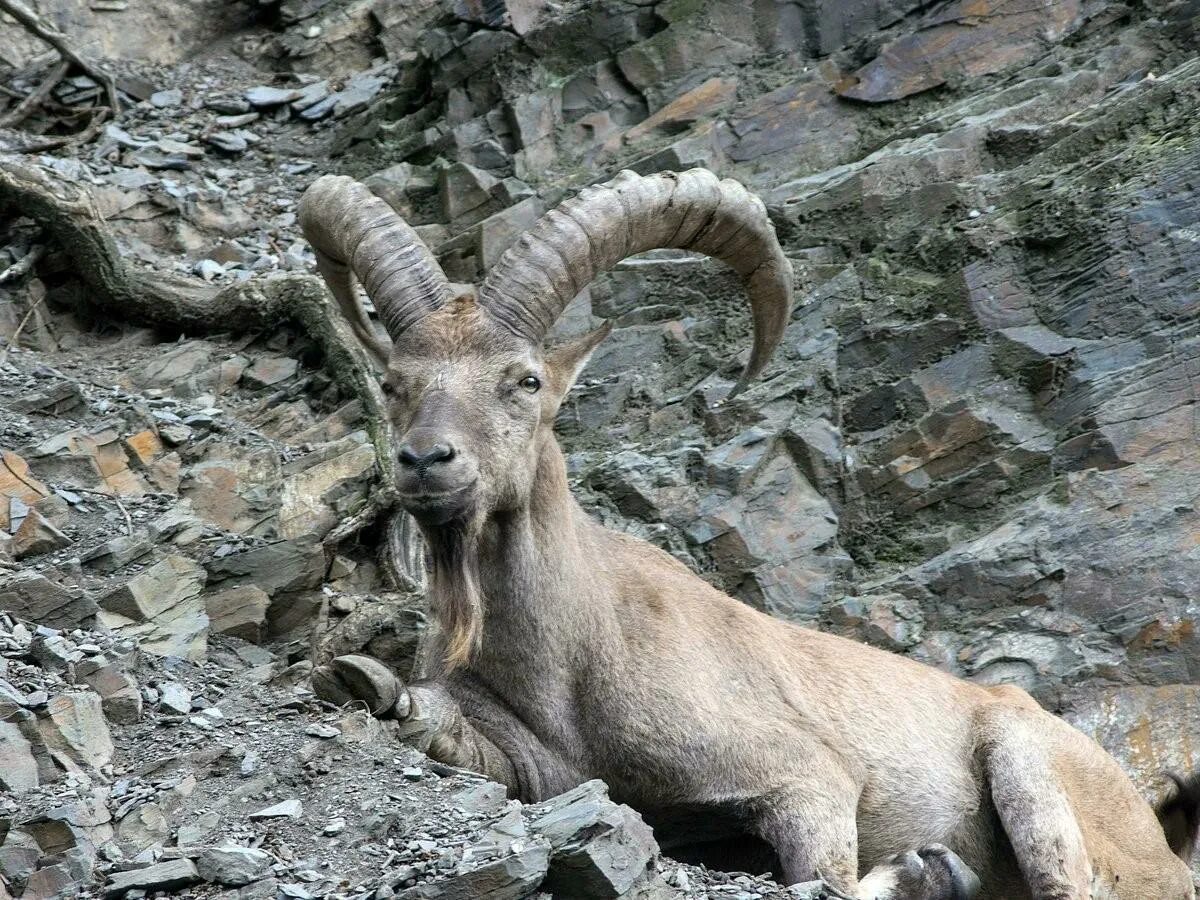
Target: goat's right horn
(355,233)
(559,256)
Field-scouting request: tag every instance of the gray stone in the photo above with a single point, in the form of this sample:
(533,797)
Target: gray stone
(49,882)
(498,232)
(267,371)
(57,399)
(143,828)
(227,141)
(264,97)
(19,855)
(120,696)
(282,566)
(233,866)
(511,877)
(408,189)
(175,698)
(166,99)
(75,726)
(37,536)
(954,43)
(519,15)
(194,831)
(287,809)
(164,876)
(33,597)
(162,608)
(239,611)
(18,767)
(600,848)
(466,194)
(117,552)
(161,592)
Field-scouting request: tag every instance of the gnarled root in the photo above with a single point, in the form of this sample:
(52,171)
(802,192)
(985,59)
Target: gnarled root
(71,220)
(40,28)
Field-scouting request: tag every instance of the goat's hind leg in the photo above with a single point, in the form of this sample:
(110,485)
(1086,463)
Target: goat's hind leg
(1032,804)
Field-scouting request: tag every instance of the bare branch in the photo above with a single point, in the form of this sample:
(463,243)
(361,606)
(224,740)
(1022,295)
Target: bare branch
(19,112)
(24,265)
(39,27)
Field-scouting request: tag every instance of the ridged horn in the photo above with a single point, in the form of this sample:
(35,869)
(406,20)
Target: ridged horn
(356,234)
(567,248)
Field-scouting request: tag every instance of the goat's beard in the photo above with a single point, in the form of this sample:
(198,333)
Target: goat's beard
(457,601)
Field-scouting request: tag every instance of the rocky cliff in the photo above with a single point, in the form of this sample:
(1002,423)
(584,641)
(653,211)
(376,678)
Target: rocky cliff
(975,447)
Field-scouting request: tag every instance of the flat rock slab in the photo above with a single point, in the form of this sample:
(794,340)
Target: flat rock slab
(34,598)
(963,38)
(509,878)
(164,876)
(288,809)
(265,96)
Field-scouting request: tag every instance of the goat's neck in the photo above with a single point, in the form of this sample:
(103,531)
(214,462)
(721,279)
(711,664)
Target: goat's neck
(542,605)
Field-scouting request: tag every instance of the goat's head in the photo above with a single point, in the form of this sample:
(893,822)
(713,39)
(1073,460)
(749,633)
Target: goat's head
(471,387)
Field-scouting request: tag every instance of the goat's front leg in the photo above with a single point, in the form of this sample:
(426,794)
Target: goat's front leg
(811,825)
(435,724)
(458,723)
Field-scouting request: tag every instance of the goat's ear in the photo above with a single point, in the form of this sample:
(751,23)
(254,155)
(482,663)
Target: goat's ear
(566,361)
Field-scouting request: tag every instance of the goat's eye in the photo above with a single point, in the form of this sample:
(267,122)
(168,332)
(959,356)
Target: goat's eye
(387,387)
(531,384)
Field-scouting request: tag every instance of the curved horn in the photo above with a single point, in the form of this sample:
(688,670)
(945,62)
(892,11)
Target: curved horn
(355,233)
(559,256)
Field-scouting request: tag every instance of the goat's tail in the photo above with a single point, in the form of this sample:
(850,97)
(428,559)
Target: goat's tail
(1179,814)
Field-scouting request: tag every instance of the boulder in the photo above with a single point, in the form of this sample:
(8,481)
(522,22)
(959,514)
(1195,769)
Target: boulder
(600,849)
(18,767)
(955,41)
(120,697)
(75,727)
(160,877)
(233,866)
(238,612)
(37,536)
(33,597)
(516,874)
(162,608)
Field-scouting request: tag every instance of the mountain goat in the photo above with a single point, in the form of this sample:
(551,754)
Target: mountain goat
(573,652)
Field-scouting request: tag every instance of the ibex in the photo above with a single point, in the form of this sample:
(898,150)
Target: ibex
(573,652)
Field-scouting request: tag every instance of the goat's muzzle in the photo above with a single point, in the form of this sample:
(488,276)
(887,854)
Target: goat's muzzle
(436,482)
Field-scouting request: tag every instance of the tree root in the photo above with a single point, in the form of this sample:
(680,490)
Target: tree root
(69,219)
(40,28)
(35,97)
(99,115)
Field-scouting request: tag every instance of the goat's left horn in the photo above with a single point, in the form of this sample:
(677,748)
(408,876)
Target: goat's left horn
(568,247)
(355,233)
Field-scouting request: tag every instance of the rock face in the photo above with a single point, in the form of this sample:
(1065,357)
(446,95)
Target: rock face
(976,445)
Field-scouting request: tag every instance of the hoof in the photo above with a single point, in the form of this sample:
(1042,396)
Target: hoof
(934,872)
(947,874)
(360,678)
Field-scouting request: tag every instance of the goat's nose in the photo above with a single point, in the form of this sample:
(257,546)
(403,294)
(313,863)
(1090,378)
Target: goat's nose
(426,455)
